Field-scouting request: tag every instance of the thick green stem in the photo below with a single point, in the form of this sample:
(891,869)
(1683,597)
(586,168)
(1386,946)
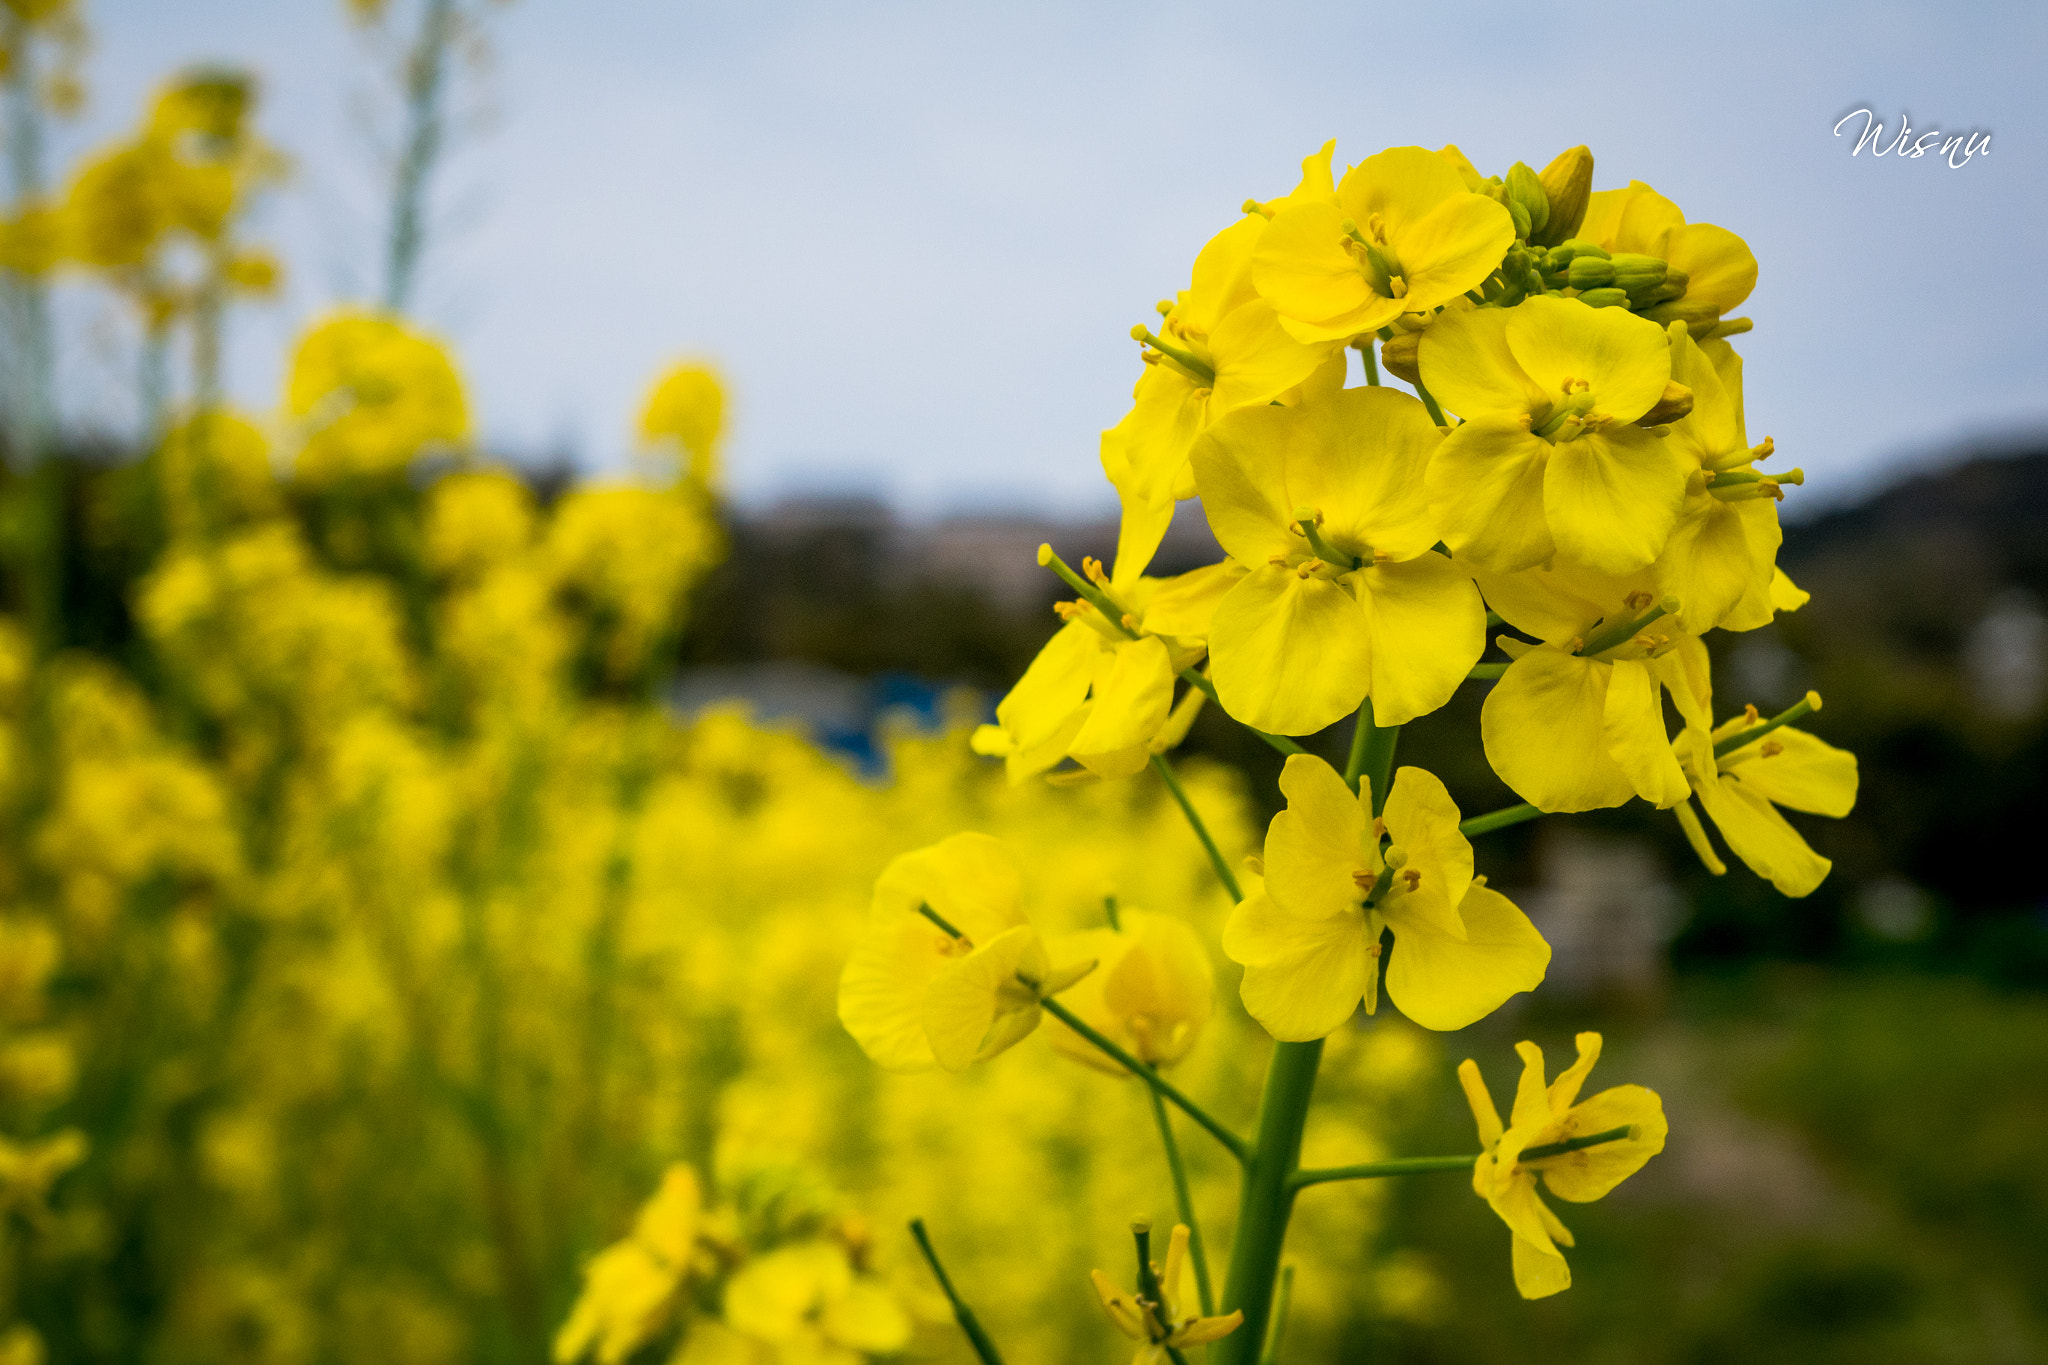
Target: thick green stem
(1372,755)
(1267,1198)
(1281,1304)
(1186,1203)
(1279,742)
(1187,808)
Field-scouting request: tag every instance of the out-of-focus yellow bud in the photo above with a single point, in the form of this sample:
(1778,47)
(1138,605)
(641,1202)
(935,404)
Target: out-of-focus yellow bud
(685,412)
(1567,184)
(1400,356)
(1151,992)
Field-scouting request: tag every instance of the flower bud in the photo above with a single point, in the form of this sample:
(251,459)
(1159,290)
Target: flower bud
(1589,272)
(1633,272)
(1526,189)
(1399,356)
(1675,402)
(1604,298)
(1567,183)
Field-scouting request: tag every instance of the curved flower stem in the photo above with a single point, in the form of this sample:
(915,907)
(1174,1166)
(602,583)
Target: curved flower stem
(1498,819)
(1800,709)
(1485,672)
(1186,1203)
(1436,414)
(984,1348)
(1187,808)
(1267,1198)
(1150,1076)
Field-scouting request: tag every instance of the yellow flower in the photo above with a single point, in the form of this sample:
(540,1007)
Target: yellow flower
(1152,990)
(1401,234)
(1505,1174)
(1577,722)
(685,415)
(1162,1325)
(1219,347)
(1099,696)
(1547,458)
(371,395)
(949,971)
(1720,559)
(1325,505)
(1718,267)
(806,1303)
(1741,788)
(630,1288)
(1309,938)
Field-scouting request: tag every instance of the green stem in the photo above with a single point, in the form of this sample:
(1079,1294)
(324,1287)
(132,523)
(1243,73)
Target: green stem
(1484,672)
(1620,632)
(976,1337)
(1372,755)
(1498,819)
(1149,1076)
(1373,1170)
(1436,414)
(1186,1203)
(1805,706)
(1187,808)
(1267,1198)
(1372,367)
(1281,1304)
(425,71)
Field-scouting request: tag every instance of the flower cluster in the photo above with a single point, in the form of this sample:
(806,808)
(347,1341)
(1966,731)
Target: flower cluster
(1569,461)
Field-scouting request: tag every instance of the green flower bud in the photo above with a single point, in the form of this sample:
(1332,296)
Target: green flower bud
(1567,184)
(1633,272)
(1399,356)
(1520,213)
(1589,272)
(1604,298)
(1526,189)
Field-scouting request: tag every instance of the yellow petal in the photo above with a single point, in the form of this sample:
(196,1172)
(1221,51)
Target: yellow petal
(1486,490)
(1259,933)
(1762,838)
(1785,594)
(1221,281)
(1122,1309)
(1443,984)
(1559,601)
(1632,726)
(1300,266)
(1532,1111)
(1204,1330)
(1422,822)
(1401,185)
(1612,497)
(1312,991)
(1468,368)
(1053,687)
(1452,248)
(1314,847)
(1289,654)
(975,1006)
(867,1319)
(1721,268)
(1256,359)
(1624,359)
(1184,606)
(1163,991)
(1428,627)
(1145,454)
(1540,1271)
(881,990)
(970,879)
(1483,1112)
(1544,731)
(1564,1091)
(1591,1172)
(1719,554)
(1804,773)
(1130,704)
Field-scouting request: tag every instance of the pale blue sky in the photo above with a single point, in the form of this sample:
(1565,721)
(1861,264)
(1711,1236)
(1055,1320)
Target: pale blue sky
(916,235)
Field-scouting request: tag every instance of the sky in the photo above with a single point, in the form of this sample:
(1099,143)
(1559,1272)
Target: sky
(914,237)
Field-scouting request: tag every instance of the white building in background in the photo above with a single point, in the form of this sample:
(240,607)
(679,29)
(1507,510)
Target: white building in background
(2005,660)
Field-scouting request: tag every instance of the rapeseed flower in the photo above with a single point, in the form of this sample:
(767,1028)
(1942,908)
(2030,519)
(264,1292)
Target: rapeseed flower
(1548,459)
(631,1288)
(1325,507)
(1309,937)
(949,971)
(1157,1315)
(1400,234)
(1507,1172)
(1152,990)
(1716,266)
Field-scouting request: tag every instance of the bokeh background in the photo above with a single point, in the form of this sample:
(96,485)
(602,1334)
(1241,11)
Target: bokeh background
(415,841)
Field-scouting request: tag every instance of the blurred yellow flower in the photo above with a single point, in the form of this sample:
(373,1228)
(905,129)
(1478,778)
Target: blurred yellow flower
(1152,990)
(684,418)
(1160,1320)
(369,394)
